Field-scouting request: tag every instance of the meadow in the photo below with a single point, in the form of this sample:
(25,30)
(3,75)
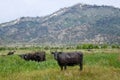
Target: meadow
(99,64)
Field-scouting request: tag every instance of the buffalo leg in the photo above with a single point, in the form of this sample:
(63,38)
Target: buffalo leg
(61,68)
(65,67)
(44,59)
(81,62)
(81,66)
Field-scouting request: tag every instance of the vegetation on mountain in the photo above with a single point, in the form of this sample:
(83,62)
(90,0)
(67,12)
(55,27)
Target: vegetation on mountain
(77,24)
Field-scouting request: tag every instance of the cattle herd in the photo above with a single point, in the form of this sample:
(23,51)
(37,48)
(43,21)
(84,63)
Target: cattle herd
(36,56)
(63,59)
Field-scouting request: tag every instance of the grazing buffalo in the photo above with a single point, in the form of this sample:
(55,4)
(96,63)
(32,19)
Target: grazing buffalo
(11,53)
(37,56)
(65,59)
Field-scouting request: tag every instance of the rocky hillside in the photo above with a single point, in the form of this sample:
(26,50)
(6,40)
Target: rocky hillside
(80,23)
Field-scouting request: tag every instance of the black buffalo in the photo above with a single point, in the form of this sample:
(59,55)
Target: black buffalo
(36,56)
(65,59)
(11,53)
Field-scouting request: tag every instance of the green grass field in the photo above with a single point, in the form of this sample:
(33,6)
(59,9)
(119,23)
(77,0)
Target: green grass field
(99,64)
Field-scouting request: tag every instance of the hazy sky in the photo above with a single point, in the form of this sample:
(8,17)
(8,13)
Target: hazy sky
(12,9)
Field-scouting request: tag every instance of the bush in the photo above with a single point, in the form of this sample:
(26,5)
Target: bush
(115,46)
(2,48)
(87,46)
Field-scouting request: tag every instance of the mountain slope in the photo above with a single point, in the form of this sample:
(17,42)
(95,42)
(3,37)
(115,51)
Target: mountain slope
(77,24)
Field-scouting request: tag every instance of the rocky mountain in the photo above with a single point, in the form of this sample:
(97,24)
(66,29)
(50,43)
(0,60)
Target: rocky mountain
(80,23)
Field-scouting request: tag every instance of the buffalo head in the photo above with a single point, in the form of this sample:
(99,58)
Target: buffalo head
(56,54)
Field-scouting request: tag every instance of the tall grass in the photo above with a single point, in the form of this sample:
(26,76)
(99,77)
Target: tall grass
(102,59)
(11,64)
(98,65)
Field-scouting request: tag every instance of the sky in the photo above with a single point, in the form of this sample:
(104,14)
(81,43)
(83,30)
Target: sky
(13,9)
